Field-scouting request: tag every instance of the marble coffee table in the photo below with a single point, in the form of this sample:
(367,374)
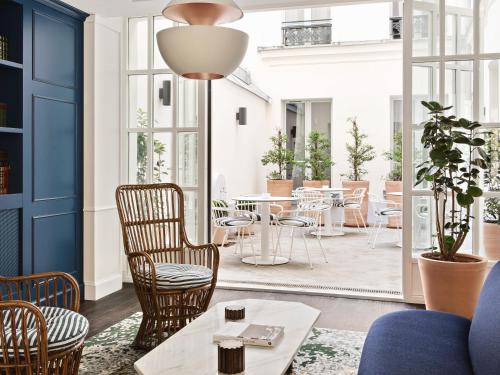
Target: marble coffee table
(192,351)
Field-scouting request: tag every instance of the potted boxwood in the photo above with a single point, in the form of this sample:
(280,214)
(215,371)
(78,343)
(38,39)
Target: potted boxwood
(318,161)
(359,153)
(491,218)
(394,182)
(282,159)
(451,280)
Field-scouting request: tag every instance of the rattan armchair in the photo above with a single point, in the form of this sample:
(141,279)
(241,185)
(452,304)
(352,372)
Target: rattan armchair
(153,228)
(22,300)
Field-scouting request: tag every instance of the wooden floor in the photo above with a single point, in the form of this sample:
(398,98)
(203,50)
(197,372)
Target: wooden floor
(337,313)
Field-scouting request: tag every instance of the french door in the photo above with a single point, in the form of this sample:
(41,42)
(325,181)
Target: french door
(451,54)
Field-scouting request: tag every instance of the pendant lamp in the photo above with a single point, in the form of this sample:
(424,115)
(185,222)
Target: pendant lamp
(202,50)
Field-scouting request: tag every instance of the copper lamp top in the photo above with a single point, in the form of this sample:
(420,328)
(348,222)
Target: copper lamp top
(203,12)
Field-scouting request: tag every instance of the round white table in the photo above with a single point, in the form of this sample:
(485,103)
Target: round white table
(265,258)
(327,230)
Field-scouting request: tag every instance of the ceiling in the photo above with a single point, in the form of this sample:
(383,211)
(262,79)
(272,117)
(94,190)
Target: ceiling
(114,8)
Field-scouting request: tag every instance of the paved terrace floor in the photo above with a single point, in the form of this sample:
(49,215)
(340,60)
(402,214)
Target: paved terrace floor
(353,267)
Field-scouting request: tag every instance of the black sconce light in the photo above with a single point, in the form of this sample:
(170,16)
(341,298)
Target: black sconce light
(241,116)
(165,93)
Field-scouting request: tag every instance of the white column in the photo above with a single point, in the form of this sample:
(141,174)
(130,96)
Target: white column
(102,272)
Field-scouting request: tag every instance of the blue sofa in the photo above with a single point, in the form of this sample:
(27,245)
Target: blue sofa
(433,343)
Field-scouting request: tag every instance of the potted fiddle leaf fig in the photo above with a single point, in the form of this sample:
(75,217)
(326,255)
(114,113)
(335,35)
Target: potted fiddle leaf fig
(318,161)
(282,159)
(394,180)
(452,280)
(491,221)
(358,154)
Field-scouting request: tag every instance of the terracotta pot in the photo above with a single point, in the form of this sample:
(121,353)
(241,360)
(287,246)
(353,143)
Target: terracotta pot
(350,220)
(281,188)
(491,234)
(393,187)
(315,183)
(452,287)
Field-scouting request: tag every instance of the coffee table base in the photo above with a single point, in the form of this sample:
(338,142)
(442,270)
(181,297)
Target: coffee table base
(267,261)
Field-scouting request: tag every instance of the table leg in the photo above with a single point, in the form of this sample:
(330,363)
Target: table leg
(328,230)
(266,257)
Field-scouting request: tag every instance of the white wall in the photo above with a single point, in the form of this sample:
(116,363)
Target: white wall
(237,149)
(102,253)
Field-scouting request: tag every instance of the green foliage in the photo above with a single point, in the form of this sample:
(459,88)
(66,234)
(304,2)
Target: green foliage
(453,175)
(396,158)
(492,178)
(492,211)
(159,148)
(318,160)
(358,152)
(278,156)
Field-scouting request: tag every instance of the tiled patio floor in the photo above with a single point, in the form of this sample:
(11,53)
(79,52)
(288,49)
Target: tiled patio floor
(353,265)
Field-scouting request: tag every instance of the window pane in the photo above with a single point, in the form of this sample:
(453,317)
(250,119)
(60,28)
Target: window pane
(422,224)
(160,23)
(420,154)
(162,157)
(191,214)
(138,102)
(425,87)
(188,103)
(492,148)
(458,88)
(426,28)
(490,27)
(138,43)
(490,91)
(451,34)
(162,101)
(490,228)
(137,158)
(459,27)
(187,159)
(465,37)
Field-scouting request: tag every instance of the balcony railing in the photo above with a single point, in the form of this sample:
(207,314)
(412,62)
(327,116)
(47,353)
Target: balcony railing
(301,33)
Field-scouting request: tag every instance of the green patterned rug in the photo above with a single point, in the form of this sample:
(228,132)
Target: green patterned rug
(326,351)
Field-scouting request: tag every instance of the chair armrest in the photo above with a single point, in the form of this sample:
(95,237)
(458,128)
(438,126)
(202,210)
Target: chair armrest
(58,289)
(203,255)
(143,270)
(18,312)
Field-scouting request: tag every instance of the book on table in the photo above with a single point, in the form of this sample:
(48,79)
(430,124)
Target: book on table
(250,334)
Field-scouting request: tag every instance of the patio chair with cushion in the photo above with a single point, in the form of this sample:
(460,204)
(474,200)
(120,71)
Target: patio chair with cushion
(41,331)
(383,210)
(306,220)
(353,202)
(174,279)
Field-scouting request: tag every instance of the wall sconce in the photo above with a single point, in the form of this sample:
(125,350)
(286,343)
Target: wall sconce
(165,93)
(241,116)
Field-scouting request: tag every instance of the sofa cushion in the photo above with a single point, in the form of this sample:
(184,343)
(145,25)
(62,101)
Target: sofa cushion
(182,276)
(417,343)
(484,337)
(65,329)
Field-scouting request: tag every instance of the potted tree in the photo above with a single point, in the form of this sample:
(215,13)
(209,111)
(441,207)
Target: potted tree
(394,182)
(318,160)
(282,159)
(359,153)
(491,221)
(451,280)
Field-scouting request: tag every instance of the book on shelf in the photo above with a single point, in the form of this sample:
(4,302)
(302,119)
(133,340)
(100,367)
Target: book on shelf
(250,334)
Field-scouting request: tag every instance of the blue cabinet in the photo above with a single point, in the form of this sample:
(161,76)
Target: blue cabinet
(42,84)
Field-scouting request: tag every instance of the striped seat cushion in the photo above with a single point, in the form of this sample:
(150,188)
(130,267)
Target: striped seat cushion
(258,217)
(390,211)
(65,329)
(297,221)
(235,221)
(182,276)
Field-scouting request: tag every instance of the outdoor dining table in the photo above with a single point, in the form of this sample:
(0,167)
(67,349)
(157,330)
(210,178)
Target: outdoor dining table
(265,258)
(338,212)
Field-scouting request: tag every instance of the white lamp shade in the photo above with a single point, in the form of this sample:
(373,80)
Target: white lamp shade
(202,52)
(203,12)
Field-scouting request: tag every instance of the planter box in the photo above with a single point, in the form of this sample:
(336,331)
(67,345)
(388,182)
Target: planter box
(350,221)
(392,187)
(281,188)
(491,234)
(315,183)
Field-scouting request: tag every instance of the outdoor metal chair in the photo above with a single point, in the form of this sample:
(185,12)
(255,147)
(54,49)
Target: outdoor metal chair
(382,209)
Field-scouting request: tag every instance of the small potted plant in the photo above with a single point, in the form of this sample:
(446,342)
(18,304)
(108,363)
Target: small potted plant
(359,153)
(394,182)
(491,221)
(451,280)
(282,159)
(318,161)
